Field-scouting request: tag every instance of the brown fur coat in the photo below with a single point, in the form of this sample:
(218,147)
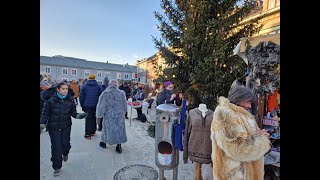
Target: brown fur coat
(237,147)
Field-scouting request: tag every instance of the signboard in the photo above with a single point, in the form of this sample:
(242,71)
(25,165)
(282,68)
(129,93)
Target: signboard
(135,104)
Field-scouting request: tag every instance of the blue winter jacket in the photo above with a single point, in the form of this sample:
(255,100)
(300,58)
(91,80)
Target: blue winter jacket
(89,94)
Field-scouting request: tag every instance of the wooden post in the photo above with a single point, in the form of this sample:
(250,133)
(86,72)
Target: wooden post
(261,110)
(198,171)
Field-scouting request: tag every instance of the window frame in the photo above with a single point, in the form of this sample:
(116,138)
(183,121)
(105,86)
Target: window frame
(63,71)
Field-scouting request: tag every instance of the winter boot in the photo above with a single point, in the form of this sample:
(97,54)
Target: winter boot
(87,137)
(119,149)
(103,145)
(56,172)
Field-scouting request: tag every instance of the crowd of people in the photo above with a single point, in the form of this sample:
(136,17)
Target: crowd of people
(238,144)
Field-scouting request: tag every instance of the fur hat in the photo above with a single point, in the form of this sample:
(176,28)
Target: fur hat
(92,76)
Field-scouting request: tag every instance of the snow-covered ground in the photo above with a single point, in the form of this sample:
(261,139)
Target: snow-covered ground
(87,161)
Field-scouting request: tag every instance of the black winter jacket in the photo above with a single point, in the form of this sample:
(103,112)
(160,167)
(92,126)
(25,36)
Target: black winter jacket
(57,113)
(127,90)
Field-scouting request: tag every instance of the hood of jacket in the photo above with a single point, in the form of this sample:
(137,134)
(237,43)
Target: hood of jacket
(92,82)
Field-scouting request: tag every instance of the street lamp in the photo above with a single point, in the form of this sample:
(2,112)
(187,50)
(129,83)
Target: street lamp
(173,76)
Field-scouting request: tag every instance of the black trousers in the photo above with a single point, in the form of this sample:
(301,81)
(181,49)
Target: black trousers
(60,145)
(139,112)
(100,124)
(91,124)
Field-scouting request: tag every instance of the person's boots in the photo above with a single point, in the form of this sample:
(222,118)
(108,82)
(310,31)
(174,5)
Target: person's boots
(119,149)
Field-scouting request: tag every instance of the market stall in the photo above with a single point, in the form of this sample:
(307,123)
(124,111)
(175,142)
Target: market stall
(262,55)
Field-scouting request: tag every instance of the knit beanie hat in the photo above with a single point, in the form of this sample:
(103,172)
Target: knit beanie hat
(92,76)
(167,83)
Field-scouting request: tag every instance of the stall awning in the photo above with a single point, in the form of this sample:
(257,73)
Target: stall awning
(254,41)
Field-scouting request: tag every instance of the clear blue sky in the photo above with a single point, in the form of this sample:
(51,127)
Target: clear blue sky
(99,30)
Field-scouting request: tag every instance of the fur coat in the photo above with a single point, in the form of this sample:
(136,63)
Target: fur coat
(238,147)
(112,106)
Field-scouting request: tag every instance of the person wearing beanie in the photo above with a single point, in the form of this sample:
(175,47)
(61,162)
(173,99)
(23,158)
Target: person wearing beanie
(89,96)
(167,95)
(92,76)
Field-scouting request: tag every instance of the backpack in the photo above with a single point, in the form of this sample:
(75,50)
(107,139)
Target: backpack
(143,118)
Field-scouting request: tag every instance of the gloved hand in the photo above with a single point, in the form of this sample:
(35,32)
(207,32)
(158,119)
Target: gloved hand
(98,120)
(81,115)
(42,126)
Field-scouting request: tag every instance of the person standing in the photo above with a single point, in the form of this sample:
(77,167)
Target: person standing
(105,83)
(238,144)
(167,95)
(124,87)
(103,87)
(89,96)
(56,116)
(139,96)
(112,106)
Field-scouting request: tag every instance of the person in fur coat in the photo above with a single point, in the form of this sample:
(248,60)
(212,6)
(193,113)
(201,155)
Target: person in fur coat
(112,106)
(238,145)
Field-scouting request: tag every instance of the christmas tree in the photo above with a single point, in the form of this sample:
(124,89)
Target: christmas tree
(198,38)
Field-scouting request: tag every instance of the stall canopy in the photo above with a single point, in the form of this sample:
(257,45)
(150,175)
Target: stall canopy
(254,41)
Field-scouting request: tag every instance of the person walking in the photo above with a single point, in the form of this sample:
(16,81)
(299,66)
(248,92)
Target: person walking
(112,106)
(56,116)
(89,96)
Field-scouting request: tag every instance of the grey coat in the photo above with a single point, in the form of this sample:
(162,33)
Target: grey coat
(112,107)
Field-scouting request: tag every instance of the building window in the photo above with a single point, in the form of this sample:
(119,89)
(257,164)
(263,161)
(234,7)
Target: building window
(126,76)
(73,72)
(134,75)
(107,74)
(271,4)
(86,73)
(64,71)
(48,70)
(118,75)
(99,74)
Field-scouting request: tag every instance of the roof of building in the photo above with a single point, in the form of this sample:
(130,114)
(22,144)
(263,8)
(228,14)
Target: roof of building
(146,59)
(82,63)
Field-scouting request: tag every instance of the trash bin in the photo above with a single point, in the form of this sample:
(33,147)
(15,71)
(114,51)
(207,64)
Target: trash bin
(166,156)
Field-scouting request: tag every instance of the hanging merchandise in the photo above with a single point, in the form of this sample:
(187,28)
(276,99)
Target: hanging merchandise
(197,142)
(272,101)
(264,59)
(178,128)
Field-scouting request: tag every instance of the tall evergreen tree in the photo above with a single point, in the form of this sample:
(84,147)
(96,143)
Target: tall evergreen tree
(198,38)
